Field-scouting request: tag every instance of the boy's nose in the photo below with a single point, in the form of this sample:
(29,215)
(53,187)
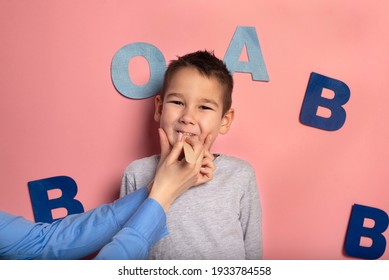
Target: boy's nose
(188,117)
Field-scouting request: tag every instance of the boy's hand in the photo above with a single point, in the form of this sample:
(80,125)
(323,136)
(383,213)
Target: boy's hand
(173,176)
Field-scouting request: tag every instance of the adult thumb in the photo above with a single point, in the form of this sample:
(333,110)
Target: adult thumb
(164,143)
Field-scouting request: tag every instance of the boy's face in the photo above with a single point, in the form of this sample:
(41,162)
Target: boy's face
(193,105)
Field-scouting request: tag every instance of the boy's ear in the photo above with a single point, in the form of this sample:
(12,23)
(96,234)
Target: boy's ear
(158,108)
(227,121)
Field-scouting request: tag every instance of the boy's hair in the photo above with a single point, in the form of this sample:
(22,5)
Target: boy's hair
(208,65)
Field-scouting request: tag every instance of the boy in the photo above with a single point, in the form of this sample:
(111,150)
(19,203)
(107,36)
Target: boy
(219,219)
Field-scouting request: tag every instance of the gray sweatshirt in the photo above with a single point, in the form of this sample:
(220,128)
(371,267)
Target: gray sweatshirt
(221,219)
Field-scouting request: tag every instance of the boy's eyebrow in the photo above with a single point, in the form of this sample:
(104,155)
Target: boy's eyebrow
(174,95)
(211,101)
(204,100)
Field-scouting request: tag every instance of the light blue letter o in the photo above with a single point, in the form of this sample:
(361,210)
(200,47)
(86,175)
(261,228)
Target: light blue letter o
(120,76)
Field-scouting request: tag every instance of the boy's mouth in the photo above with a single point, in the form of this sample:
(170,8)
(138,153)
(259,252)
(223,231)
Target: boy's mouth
(188,134)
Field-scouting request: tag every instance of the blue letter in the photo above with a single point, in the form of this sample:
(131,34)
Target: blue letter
(313,99)
(255,65)
(356,231)
(120,75)
(41,204)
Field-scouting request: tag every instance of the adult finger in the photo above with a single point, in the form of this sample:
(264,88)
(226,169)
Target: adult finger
(176,150)
(208,163)
(164,142)
(206,173)
(208,154)
(200,158)
(208,142)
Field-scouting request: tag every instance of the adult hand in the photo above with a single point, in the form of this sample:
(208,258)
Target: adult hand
(174,176)
(207,166)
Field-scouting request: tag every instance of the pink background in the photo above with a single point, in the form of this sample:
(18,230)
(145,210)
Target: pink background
(61,115)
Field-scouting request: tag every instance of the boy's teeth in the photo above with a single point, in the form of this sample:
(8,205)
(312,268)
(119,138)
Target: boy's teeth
(186,133)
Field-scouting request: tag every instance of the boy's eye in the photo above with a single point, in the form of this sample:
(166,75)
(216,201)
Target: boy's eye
(205,108)
(176,102)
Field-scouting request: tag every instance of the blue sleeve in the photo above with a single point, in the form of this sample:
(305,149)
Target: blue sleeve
(72,237)
(140,233)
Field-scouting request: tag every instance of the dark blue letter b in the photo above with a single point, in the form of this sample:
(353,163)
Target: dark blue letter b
(42,205)
(313,100)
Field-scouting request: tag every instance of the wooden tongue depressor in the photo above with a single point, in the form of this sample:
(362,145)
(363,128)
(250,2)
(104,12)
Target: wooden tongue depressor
(189,153)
